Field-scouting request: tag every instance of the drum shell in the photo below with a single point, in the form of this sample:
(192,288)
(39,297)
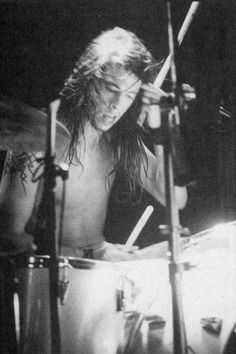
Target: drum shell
(89,319)
(207,290)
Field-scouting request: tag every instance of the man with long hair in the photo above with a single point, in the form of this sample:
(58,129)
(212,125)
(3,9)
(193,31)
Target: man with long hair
(104,103)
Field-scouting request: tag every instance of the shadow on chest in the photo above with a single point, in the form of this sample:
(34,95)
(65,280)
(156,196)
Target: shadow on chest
(90,178)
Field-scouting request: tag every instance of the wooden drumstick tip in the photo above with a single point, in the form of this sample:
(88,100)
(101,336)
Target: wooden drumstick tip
(139,226)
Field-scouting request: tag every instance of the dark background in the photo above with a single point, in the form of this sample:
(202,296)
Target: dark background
(40,41)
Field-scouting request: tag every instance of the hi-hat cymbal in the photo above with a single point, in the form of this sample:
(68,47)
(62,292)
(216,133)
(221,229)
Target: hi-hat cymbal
(24,128)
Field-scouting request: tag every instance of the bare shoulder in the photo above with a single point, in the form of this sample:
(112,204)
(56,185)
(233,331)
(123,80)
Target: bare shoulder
(17,190)
(23,164)
(19,169)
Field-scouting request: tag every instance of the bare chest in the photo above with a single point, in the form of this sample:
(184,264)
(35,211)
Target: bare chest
(88,182)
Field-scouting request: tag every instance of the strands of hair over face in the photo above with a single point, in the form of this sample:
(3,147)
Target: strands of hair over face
(130,154)
(80,101)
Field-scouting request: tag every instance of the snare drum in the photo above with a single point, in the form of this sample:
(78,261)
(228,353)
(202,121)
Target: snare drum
(89,314)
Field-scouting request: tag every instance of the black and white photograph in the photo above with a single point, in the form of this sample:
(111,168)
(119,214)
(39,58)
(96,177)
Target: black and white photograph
(117,177)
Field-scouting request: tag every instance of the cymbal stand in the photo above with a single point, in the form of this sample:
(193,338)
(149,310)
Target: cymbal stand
(48,217)
(175,268)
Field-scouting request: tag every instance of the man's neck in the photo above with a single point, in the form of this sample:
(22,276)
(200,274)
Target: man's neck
(93,137)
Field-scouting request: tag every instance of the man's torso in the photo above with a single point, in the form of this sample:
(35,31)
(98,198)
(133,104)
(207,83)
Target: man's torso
(86,199)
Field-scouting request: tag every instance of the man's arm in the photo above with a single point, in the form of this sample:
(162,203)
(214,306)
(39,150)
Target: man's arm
(154,180)
(17,194)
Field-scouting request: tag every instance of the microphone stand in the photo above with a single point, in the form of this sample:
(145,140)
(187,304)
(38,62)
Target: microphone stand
(166,135)
(175,267)
(47,216)
(49,187)
(50,223)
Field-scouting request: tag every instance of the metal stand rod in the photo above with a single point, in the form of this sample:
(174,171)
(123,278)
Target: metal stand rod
(48,216)
(53,265)
(180,341)
(183,30)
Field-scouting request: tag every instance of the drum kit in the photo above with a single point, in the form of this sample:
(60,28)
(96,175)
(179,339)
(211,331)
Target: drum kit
(120,307)
(125,307)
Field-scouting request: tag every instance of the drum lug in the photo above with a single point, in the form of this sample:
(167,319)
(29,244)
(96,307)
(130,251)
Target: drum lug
(124,294)
(63,285)
(63,288)
(120,300)
(212,324)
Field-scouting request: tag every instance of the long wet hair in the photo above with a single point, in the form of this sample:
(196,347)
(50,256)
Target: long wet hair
(79,99)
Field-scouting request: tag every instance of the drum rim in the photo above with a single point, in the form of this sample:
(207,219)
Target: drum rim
(42,261)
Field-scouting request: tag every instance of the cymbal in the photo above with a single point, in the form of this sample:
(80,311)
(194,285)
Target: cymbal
(24,128)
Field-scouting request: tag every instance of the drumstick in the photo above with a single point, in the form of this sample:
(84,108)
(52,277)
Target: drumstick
(53,117)
(139,226)
(166,66)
